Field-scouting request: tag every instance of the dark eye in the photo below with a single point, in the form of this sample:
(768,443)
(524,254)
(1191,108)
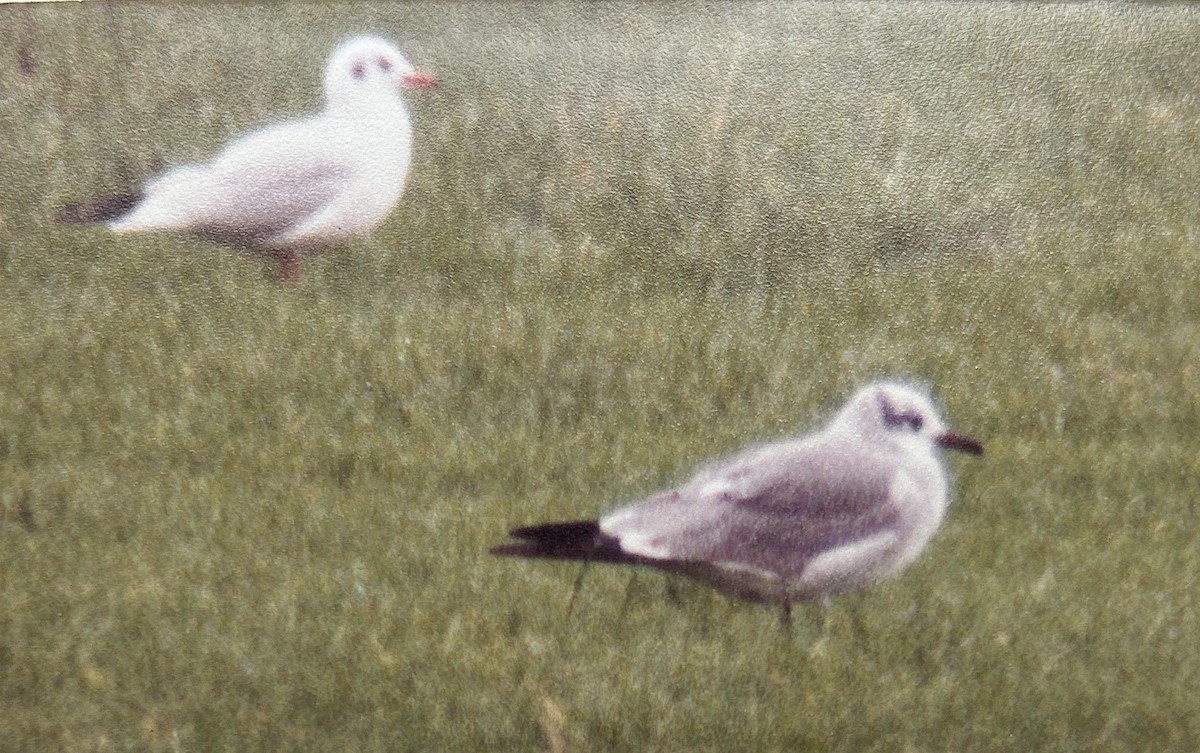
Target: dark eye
(385,65)
(358,71)
(914,421)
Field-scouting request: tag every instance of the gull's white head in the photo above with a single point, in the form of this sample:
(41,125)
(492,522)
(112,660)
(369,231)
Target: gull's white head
(896,414)
(365,68)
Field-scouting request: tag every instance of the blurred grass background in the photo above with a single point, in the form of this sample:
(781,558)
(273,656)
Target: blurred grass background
(236,515)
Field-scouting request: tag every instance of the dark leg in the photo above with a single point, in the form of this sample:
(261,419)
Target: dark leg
(785,613)
(673,593)
(819,613)
(628,596)
(578,585)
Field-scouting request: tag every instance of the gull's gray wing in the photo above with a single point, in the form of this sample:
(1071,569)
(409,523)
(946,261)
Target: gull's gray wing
(772,509)
(274,204)
(259,187)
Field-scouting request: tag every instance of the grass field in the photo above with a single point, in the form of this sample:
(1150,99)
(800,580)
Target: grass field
(236,515)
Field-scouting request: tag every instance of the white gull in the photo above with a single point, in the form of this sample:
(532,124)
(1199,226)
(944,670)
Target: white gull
(295,187)
(831,512)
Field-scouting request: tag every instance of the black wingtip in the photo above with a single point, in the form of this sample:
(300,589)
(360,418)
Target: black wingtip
(567,531)
(98,210)
(573,540)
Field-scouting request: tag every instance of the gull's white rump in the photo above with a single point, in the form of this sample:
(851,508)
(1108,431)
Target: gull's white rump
(295,187)
(828,513)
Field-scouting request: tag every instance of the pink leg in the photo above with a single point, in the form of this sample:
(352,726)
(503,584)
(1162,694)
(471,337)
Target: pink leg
(289,267)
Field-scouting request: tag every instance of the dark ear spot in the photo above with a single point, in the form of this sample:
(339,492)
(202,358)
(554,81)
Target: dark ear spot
(893,418)
(358,71)
(890,416)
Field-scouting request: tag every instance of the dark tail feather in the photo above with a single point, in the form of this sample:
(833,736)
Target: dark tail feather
(98,210)
(575,540)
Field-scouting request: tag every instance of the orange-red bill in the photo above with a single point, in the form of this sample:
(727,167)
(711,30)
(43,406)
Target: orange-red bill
(420,80)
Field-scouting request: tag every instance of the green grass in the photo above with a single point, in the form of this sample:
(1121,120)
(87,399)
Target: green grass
(236,515)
